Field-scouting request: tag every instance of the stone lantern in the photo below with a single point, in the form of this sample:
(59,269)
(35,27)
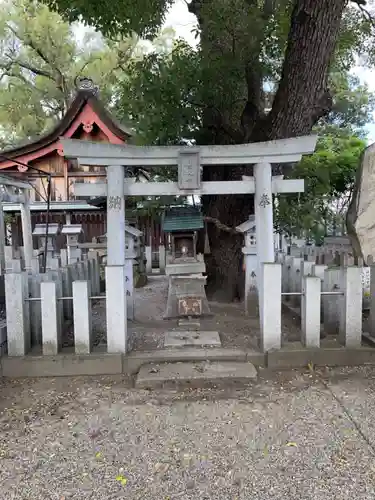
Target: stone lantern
(72,233)
(40,231)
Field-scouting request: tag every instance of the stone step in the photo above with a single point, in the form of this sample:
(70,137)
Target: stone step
(194,374)
(178,338)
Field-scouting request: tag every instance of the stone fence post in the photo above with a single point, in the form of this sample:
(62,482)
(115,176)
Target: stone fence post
(18,324)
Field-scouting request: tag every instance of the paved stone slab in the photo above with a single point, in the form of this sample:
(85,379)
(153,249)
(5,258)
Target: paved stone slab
(191,339)
(153,376)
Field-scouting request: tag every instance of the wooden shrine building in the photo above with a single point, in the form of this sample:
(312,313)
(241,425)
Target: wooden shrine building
(86,119)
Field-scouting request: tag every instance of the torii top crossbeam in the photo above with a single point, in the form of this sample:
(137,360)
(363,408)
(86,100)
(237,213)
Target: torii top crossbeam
(279,151)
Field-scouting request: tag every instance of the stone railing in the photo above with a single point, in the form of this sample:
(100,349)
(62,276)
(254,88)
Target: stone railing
(38,306)
(316,292)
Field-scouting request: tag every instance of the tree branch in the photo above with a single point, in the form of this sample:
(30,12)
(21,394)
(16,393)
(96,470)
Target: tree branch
(36,71)
(361,5)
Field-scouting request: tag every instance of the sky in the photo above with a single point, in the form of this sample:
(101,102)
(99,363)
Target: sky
(183,23)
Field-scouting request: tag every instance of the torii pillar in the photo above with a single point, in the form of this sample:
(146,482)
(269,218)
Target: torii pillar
(115,270)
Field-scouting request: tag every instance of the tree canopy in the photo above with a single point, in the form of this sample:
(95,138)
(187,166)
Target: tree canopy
(40,60)
(263,70)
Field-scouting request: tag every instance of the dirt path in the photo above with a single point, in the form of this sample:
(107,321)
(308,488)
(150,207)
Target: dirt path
(295,436)
(147,331)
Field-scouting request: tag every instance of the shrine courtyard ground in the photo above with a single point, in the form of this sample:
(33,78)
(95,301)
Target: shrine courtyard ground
(290,435)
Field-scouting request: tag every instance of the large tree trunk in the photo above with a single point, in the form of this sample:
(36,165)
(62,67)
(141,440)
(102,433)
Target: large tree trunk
(301,99)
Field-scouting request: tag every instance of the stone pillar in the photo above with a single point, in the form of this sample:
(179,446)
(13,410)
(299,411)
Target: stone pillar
(310,311)
(331,303)
(82,317)
(251,264)
(270,306)
(9,256)
(162,259)
(51,334)
(115,216)
(64,257)
(15,266)
(129,279)
(16,291)
(27,230)
(295,273)
(116,309)
(372,301)
(264,213)
(318,271)
(95,284)
(115,270)
(350,330)
(148,252)
(2,240)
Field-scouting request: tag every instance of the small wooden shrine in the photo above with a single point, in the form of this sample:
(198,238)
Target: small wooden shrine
(34,161)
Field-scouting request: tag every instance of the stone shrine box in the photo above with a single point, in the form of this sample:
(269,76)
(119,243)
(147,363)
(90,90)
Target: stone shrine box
(40,233)
(132,241)
(248,229)
(183,224)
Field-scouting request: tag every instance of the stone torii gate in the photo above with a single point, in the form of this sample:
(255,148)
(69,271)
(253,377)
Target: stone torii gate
(8,186)
(189,160)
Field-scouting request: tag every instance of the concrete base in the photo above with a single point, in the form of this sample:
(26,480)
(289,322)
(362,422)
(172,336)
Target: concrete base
(293,355)
(183,287)
(185,268)
(189,324)
(194,374)
(192,339)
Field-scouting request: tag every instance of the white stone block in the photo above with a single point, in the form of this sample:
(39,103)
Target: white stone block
(129,280)
(296,280)
(53,263)
(251,267)
(270,306)
(82,317)
(50,321)
(318,271)
(35,267)
(116,309)
(350,333)
(17,327)
(8,254)
(14,266)
(64,257)
(162,257)
(148,254)
(310,311)
(372,301)
(331,303)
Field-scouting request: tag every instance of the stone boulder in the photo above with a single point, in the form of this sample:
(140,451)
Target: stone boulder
(361,213)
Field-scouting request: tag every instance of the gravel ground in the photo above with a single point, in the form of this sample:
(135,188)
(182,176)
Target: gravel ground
(147,331)
(297,435)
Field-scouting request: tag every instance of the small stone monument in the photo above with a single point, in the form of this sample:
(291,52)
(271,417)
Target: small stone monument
(187,298)
(73,232)
(132,254)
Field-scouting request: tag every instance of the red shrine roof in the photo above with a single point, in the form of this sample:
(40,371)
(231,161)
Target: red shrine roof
(85,111)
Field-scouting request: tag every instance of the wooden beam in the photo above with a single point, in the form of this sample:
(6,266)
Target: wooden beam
(171,188)
(280,151)
(10,181)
